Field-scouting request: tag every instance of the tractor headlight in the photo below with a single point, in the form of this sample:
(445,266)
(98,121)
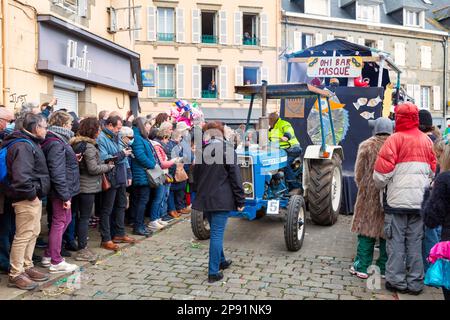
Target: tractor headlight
(248,188)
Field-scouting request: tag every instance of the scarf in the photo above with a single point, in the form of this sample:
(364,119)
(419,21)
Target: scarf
(62,133)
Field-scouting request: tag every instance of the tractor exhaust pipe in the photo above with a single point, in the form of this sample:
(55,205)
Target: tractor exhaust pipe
(264,120)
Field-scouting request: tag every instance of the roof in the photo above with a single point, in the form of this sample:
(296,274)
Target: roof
(394,5)
(339,9)
(342,48)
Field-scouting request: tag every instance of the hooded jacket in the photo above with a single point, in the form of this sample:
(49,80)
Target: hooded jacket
(63,167)
(406,163)
(28,174)
(91,168)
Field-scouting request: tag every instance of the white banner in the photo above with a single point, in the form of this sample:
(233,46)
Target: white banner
(335,67)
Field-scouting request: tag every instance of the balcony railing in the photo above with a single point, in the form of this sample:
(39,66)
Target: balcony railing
(166,93)
(251,41)
(168,37)
(207,94)
(209,39)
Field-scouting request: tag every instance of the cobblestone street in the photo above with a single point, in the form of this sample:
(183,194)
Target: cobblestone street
(172,265)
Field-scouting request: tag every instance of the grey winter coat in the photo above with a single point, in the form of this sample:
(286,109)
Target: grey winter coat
(91,167)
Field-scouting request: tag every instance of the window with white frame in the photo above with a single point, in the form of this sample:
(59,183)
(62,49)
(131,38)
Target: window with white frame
(318,7)
(425,97)
(368,12)
(166,24)
(73,6)
(307,40)
(166,81)
(414,18)
(400,54)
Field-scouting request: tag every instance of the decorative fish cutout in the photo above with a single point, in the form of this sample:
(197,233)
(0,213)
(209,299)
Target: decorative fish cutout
(374,102)
(368,115)
(357,106)
(362,101)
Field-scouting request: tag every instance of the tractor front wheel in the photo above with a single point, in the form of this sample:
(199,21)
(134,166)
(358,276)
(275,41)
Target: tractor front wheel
(325,190)
(294,226)
(200,225)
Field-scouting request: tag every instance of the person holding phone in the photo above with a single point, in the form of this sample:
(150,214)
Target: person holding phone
(218,187)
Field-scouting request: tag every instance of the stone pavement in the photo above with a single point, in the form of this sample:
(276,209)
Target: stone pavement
(173,265)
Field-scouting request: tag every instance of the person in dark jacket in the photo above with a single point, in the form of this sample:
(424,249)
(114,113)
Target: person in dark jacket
(29,182)
(112,224)
(143,159)
(218,184)
(62,165)
(436,207)
(91,171)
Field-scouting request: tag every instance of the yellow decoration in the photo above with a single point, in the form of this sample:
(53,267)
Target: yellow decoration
(387,103)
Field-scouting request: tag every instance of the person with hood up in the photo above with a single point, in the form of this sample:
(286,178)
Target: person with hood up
(404,168)
(368,218)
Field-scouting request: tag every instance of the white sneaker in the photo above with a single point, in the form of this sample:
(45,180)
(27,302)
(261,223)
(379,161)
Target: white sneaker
(154,225)
(46,262)
(63,267)
(163,223)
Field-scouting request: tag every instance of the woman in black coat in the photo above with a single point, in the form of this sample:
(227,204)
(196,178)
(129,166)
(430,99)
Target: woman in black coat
(436,207)
(218,184)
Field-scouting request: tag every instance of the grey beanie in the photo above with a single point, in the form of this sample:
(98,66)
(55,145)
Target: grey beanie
(381,125)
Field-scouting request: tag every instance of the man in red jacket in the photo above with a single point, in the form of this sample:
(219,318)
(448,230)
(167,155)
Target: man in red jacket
(404,168)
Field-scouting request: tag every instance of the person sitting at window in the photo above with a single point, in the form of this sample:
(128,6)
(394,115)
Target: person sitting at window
(212,88)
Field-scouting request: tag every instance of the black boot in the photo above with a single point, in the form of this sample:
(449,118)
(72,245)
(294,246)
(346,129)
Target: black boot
(215,277)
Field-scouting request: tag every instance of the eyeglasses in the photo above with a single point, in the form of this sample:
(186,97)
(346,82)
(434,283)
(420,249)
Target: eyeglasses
(131,138)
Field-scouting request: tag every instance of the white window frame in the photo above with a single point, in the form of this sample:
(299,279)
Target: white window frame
(328,14)
(165,31)
(305,43)
(425,99)
(359,10)
(419,20)
(166,85)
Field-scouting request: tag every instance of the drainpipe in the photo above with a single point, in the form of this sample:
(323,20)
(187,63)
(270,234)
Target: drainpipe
(445,45)
(5,68)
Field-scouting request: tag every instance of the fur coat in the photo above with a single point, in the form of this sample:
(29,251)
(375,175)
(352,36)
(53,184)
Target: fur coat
(368,218)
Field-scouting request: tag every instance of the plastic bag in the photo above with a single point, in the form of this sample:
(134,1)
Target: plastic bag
(438,274)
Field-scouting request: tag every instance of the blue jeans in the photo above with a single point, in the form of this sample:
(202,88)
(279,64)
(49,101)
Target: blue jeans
(431,237)
(171,202)
(139,200)
(217,221)
(7,231)
(158,196)
(165,202)
(291,179)
(177,200)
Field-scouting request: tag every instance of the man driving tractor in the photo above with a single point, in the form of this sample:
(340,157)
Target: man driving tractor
(281,131)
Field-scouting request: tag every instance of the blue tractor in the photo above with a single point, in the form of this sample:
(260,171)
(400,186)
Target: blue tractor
(264,183)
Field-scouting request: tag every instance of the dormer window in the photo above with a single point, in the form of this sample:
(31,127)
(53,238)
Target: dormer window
(367,12)
(318,7)
(412,18)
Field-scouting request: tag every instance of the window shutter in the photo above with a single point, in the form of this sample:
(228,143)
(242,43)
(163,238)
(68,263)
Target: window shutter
(417,96)
(318,39)
(196,25)
(297,41)
(152,90)
(180,81)
(437,98)
(350,39)
(137,23)
(265,74)
(264,30)
(223,85)
(223,39)
(82,8)
(330,37)
(151,24)
(410,90)
(239,80)
(400,53)
(361,41)
(425,57)
(196,81)
(380,45)
(181,34)
(238,28)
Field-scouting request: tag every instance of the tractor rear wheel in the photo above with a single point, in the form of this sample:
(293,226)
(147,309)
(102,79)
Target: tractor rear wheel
(294,226)
(325,190)
(200,225)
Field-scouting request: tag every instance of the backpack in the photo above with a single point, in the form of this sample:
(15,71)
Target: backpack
(3,155)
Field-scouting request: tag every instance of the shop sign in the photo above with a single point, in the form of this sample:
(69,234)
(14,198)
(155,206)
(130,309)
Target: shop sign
(334,67)
(148,78)
(78,62)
